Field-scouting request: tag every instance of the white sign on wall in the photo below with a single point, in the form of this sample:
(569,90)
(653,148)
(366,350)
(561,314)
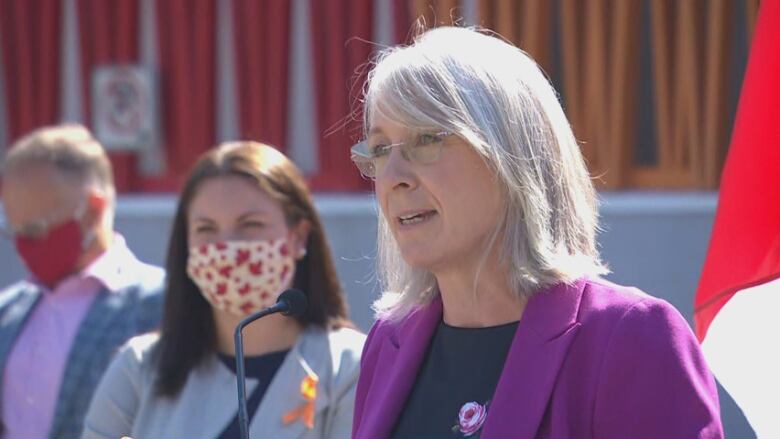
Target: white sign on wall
(124,107)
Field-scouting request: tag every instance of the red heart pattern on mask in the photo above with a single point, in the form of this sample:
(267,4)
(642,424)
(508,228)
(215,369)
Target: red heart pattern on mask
(241,277)
(225,271)
(256,268)
(242,256)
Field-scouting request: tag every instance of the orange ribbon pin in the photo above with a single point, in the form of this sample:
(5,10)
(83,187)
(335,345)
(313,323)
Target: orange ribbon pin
(305,411)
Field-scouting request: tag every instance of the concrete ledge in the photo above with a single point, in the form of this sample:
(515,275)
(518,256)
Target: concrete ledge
(658,203)
(612,204)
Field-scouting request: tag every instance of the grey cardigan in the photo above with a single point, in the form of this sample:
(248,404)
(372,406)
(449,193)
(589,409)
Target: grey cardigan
(125,403)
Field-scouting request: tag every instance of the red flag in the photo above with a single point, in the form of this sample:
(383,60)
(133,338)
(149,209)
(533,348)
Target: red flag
(745,244)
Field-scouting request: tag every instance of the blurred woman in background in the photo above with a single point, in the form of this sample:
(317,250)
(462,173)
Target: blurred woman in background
(244,231)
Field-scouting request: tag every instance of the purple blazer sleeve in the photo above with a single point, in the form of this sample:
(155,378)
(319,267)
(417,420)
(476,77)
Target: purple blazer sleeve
(652,386)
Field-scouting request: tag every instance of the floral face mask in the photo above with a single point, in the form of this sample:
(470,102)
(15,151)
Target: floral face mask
(241,277)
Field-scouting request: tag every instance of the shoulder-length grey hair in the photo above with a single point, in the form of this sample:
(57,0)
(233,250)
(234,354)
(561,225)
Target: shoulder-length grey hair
(494,96)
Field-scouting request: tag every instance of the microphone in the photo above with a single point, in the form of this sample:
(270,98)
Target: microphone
(292,302)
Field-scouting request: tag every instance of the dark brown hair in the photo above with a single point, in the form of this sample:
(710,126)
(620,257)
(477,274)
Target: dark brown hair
(188,333)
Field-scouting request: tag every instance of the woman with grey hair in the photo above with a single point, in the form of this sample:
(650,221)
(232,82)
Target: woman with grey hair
(494,322)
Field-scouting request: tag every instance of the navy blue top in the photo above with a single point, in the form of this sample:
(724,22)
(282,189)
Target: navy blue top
(263,368)
(462,366)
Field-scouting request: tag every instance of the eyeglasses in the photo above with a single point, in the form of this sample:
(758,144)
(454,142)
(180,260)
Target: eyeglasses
(33,229)
(38,228)
(371,159)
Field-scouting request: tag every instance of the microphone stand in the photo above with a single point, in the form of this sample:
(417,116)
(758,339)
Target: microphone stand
(243,417)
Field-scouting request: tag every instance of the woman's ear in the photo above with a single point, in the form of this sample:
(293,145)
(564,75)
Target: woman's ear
(299,238)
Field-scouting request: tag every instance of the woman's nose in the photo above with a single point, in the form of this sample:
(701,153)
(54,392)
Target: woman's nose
(397,171)
(230,234)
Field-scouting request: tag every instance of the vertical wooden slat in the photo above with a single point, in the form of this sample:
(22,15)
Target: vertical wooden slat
(535,33)
(572,69)
(688,108)
(715,85)
(622,87)
(680,88)
(446,12)
(486,14)
(422,9)
(690,81)
(752,14)
(506,19)
(661,51)
(595,76)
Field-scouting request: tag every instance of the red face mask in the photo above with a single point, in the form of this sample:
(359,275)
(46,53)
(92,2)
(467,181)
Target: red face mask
(53,256)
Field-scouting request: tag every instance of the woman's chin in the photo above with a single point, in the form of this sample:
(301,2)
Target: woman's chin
(421,259)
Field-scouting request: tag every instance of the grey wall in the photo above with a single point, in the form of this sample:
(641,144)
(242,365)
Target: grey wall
(655,241)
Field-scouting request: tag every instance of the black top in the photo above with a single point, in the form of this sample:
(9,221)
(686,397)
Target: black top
(462,366)
(263,368)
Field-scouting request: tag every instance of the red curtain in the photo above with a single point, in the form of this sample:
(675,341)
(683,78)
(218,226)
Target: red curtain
(342,31)
(341,35)
(30,33)
(187,46)
(262,43)
(109,35)
(744,248)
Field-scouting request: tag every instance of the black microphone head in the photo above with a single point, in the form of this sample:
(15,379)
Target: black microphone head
(295,300)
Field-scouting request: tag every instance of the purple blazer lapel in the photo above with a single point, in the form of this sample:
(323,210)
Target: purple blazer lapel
(546,330)
(401,356)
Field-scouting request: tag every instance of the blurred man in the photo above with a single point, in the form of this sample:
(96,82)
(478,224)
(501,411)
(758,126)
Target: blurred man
(86,294)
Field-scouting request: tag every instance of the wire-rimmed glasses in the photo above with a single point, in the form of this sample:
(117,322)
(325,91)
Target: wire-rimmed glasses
(371,159)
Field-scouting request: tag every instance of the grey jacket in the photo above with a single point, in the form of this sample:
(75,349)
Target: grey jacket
(125,402)
(113,318)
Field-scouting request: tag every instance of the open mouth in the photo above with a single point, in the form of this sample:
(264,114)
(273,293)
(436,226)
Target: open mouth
(416,218)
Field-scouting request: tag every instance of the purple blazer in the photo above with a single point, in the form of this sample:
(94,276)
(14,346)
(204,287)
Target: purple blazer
(589,360)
